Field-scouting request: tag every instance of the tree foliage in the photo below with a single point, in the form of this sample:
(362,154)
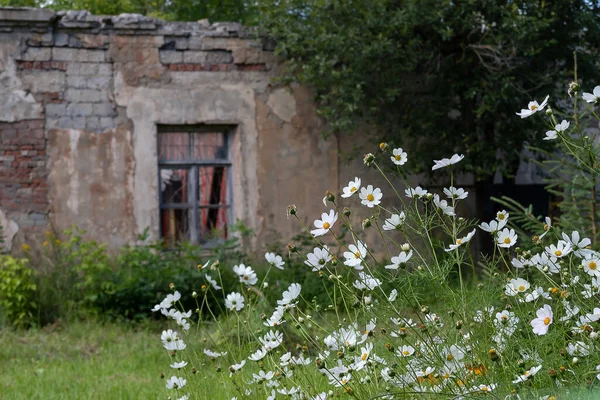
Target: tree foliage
(436,77)
(181,10)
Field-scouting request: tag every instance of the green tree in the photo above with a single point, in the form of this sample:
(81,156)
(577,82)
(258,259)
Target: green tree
(436,77)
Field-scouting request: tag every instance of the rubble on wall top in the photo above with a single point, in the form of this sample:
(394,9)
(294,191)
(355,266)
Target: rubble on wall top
(84,20)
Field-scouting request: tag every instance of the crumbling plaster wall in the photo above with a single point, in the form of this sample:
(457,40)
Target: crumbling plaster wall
(98,86)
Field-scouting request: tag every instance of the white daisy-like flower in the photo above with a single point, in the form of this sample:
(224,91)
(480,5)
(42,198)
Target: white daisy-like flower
(366,282)
(417,192)
(271,340)
(175,382)
(263,376)
(579,348)
(323,396)
(546,263)
(493,226)
(177,365)
(184,397)
(591,266)
(405,351)
(445,162)
(399,157)
(234,301)
(456,193)
(370,197)
(506,238)
(275,260)
(318,258)
(351,188)
(289,392)
(285,359)
(443,205)
(402,258)
(593,97)
(171,340)
(536,293)
(276,318)
(212,282)
(393,295)
(168,302)
(527,374)
(300,360)
(592,317)
(547,226)
(355,256)
(533,107)
(324,224)
(246,274)
(544,318)
(516,286)
(290,295)
(580,246)
(561,249)
(461,241)
(258,355)
(502,216)
(214,354)
(486,388)
(236,367)
(394,222)
(553,134)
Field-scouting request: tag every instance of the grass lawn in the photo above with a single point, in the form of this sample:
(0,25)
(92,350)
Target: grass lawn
(82,361)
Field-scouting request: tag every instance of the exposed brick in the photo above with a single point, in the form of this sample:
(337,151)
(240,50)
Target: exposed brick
(59,65)
(252,67)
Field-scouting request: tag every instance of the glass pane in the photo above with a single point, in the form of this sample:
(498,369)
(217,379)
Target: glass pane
(173,146)
(209,146)
(212,185)
(174,186)
(175,225)
(213,223)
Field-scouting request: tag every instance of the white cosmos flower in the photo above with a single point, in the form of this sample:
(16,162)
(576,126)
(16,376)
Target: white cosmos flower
(502,216)
(592,317)
(405,351)
(527,374)
(290,295)
(246,274)
(399,157)
(552,135)
(234,301)
(172,341)
(579,246)
(579,348)
(516,286)
(258,355)
(271,340)
(176,383)
(323,396)
(178,365)
(486,388)
(300,360)
(570,311)
(318,258)
(355,256)
(506,238)
(290,391)
(168,302)
(559,250)
(236,367)
(593,97)
(285,359)
(545,263)
(417,192)
(536,293)
(444,162)
(494,226)
(443,205)
(275,260)
(214,354)
(547,226)
(591,265)
(461,241)
(454,193)
(533,107)
(324,224)
(394,222)
(276,318)
(212,282)
(370,197)
(393,295)
(402,258)
(541,324)
(263,376)
(352,188)
(366,282)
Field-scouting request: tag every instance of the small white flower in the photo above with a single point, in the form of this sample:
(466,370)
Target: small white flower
(394,222)
(547,226)
(533,107)
(276,318)
(290,295)
(516,286)
(258,355)
(370,197)
(352,188)
(402,258)
(417,192)
(246,274)
(591,266)
(234,301)
(506,238)
(324,224)
(176,383)
(444,162)
(579,246)
(212,282)
(355,256)
(393,295)
(502,216)
(405,351)
(172,341)
(527,374)
(592,97)
(561,249)
(443,205)
(487,388)
(271,340)
(494,226)
(454,193)
(399,157)
(563,126)
(214,354)
(275,260)
(236,367)
(461,241)
(366,282)
(178,365)
(541,324)
(318,258)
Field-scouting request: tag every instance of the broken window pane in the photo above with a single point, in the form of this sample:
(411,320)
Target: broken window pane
(212,185)
(174,186)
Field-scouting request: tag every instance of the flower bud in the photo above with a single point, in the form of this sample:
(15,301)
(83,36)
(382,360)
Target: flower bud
(493,355)
(369,159)
(573,88)
(383,146)
(425,309)
(366,223)
(291,210)
(172,286)
(194,295)
(459,324)
(291,247)
(575,361)
(405,247)
(549,111)
(346,211)
(329,196)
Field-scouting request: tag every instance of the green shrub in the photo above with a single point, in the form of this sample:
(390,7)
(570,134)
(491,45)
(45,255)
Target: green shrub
(17,291)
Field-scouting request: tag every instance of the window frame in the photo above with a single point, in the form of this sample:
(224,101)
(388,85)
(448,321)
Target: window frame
(193,166)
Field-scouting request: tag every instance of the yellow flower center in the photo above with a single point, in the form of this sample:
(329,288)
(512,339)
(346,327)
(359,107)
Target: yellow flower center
(398,157)
(546,227)
(326,225)
(246,277)
(526,373)
(406,352)
(370,197)
(521,288)
(449,357)
(357,254)
(500,217)
(344,381)
(547,321)
(484,388)
(533,107)
(353,189)
(592,265)
(458,241)
(364,356)
(507,240)
(558,253)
